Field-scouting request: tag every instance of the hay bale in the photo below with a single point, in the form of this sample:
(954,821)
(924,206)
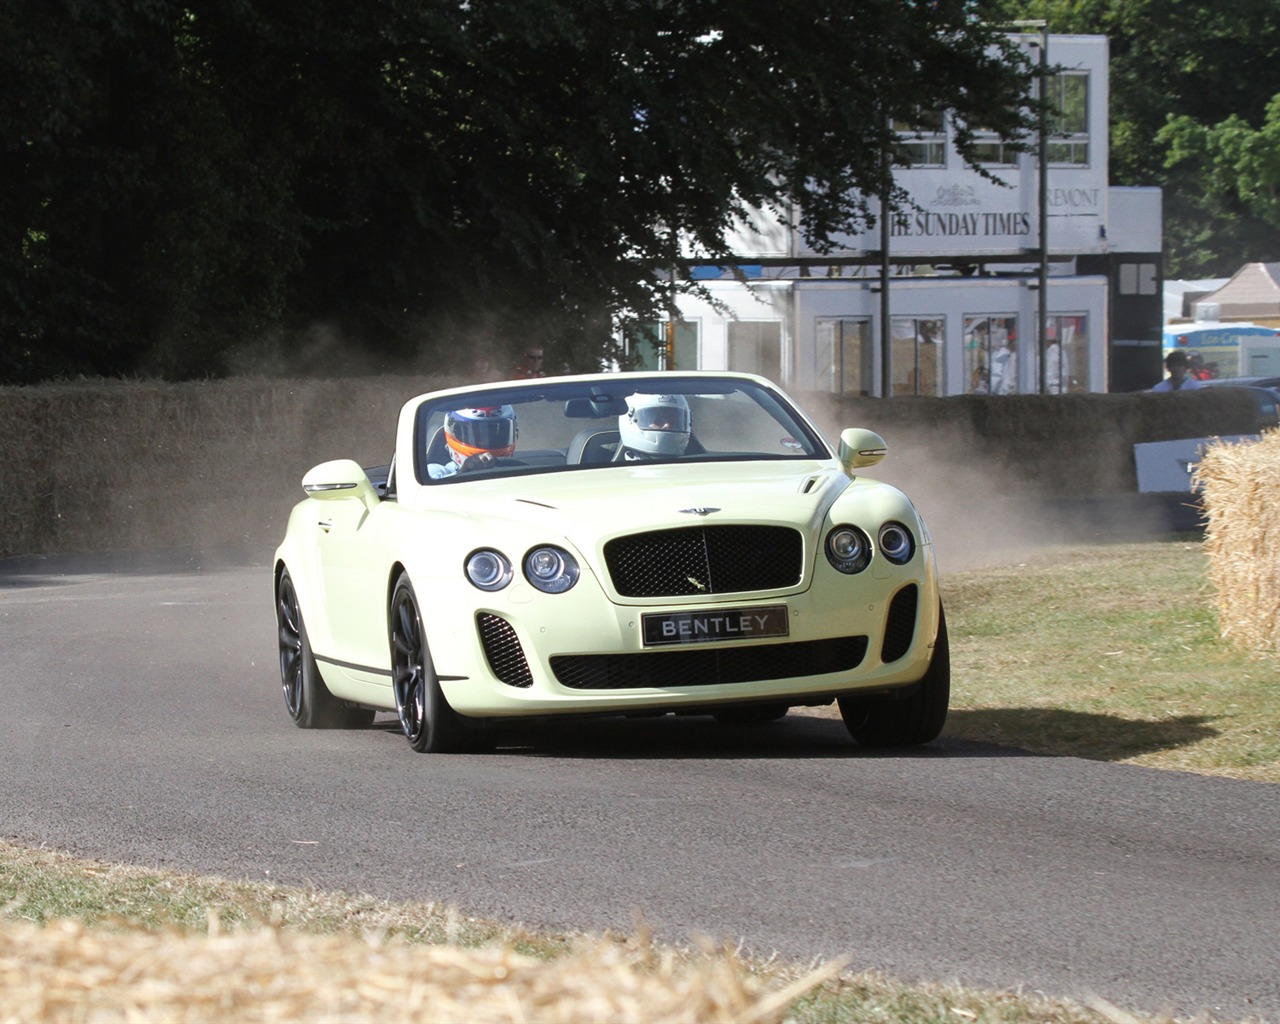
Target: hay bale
(1239,484)
(69,972)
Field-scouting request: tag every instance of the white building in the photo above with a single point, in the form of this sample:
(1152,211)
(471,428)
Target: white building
(956,304)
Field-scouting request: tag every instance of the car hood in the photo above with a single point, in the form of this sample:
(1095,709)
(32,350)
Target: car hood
(622,499)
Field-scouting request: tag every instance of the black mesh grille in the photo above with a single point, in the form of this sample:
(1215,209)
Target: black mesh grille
(502,650)
(705,560)
(900,625)
(703,667)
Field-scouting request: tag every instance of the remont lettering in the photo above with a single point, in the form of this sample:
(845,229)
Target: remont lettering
(1076,197)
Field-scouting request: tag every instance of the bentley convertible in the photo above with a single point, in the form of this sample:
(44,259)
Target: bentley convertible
(611,544)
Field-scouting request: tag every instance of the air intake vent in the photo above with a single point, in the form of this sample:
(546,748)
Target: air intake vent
(702,667)
(502,650)
(900,624)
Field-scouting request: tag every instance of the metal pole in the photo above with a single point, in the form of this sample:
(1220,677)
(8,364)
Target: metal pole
(1043,308)
(886,335)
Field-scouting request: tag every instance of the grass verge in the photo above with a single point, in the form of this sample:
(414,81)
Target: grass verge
(1111,653)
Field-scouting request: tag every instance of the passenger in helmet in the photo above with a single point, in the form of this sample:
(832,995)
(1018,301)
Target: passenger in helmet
(654,427)
(475,438)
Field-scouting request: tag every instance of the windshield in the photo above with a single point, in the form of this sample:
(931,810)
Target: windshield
(595,424)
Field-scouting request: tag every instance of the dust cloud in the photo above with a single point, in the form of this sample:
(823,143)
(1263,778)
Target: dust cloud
(982,511)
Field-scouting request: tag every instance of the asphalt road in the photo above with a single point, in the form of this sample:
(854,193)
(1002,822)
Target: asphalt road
(141,721)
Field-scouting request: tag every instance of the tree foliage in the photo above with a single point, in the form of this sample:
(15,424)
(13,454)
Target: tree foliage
(1204,69)
(183,180)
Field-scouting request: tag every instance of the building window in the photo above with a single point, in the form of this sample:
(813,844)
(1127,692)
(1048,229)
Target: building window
(991,354)
(1066,350)
(917,355)
(921,140)
(666,345)
(1137,278)
(992,151)
(1069,118)
(755,346)
(842,356)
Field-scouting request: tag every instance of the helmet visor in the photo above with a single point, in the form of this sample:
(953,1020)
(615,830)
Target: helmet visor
(487,430)
(663,417)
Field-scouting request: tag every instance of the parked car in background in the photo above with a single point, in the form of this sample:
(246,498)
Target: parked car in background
(1253,382)
(621,544)
(1266,397)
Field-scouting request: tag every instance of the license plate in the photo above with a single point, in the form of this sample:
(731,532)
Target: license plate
(713,625)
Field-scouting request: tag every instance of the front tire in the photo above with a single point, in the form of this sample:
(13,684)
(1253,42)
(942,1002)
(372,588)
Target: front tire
(428,723)
(306,698)
(909,721)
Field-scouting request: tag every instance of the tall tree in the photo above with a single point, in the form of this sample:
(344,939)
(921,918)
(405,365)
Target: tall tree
(189,175)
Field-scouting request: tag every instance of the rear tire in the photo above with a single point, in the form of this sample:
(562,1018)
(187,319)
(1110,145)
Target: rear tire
(306,698)
(427,721)
(905,721)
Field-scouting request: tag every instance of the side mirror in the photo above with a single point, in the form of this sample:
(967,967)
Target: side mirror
(860,448)
(340,480)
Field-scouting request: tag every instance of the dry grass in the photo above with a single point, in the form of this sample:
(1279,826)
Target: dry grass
(1240,484)
(1110,652)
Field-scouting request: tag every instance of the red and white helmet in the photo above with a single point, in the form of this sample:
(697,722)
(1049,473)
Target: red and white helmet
(656,425)
(471,432)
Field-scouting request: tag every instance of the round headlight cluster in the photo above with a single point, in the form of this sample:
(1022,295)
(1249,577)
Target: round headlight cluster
(551,569)
(488,570)
(896,543)
(848,549)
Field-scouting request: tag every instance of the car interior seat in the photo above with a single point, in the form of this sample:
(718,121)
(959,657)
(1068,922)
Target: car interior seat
(438,448)
(592,446)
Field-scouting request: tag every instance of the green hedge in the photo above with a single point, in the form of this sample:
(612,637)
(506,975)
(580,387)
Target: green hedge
(95,466)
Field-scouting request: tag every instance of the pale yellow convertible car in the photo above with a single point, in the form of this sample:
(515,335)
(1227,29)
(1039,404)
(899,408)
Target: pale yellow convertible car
(612,544)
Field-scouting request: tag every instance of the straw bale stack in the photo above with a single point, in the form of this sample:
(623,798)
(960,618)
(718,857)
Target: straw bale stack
(67,973)
(1240,488)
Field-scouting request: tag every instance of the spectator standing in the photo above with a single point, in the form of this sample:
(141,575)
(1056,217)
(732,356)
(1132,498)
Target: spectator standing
(1177,364)
(530,365)
(1004,364)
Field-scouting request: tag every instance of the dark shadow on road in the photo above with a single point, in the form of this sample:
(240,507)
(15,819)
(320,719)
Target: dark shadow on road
(1000,733)
(1076,733)
(698,737)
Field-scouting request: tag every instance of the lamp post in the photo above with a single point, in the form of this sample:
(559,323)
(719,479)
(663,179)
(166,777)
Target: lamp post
(1042,309)
(1042,195)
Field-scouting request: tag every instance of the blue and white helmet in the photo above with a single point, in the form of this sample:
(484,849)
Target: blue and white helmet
(655,425)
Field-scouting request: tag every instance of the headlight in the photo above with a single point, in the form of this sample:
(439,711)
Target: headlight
(488,570)
(848,549)
(551,569)
(896,543)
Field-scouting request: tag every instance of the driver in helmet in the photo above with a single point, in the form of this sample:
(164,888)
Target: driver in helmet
(654,427)
(476,438)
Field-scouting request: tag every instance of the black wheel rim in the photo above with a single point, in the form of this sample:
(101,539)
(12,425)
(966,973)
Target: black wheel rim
(289,621)
(407,674)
